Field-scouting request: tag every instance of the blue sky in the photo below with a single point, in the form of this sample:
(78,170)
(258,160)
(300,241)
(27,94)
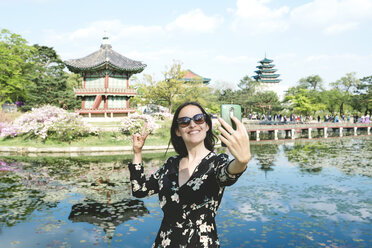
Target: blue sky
(220,39)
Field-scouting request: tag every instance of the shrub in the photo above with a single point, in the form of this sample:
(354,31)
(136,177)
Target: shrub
(162,116)
(135,122)
(49,122)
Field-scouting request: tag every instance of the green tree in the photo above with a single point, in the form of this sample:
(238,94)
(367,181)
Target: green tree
(266,101)
(164,92)
(314,82)
(362,101)
(304,103)
(345,85)
(15,66)
(246,95)
(50,81)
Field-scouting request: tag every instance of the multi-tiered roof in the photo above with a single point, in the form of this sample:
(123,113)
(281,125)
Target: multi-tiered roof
(266,72)
(105,58)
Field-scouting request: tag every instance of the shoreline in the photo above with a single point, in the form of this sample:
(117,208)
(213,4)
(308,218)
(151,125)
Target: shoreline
(125,150)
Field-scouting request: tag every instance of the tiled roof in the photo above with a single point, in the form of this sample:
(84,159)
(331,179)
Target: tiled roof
(266,60)
(105,56)
(191,76)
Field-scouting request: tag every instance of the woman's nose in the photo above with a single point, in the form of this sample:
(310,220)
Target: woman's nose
(192,123)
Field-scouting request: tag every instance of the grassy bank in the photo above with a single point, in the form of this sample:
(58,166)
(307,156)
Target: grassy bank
(106,138)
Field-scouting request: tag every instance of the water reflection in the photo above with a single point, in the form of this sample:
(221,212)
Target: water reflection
(313,191)
(107,216)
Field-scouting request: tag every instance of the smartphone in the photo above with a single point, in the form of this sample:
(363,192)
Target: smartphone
(231,109)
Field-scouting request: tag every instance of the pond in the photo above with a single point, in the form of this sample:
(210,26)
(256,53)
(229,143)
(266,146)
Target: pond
(295,194)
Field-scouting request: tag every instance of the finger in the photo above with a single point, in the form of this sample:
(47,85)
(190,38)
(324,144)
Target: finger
(144,129)
(146,134)
(224,140)
(225,125)
(238,123)
(224,133)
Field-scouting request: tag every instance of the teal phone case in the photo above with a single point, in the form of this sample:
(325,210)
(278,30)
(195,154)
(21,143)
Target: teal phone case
(227,110)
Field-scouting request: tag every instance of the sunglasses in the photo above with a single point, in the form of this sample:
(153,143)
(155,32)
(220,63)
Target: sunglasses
(185,121)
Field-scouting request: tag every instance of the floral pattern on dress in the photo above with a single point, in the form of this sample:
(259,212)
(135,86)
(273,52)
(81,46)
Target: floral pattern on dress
(189,210)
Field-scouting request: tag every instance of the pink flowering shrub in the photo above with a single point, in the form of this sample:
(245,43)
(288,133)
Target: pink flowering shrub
(49,122)
(135,122)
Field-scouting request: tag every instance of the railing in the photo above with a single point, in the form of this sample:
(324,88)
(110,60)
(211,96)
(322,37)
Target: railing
(288,126)
(101,111)
(94,91)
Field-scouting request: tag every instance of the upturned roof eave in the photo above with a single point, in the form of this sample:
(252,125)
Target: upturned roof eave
(102,66)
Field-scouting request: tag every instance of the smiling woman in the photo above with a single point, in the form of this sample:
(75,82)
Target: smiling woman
(190,185)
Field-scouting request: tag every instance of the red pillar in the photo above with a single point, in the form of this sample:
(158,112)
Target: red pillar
(106,103)
(106,81)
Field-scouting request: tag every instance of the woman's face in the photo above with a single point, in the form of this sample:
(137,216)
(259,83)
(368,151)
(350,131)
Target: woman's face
(193,133)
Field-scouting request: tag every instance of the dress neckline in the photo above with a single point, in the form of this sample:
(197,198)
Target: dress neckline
(206,157)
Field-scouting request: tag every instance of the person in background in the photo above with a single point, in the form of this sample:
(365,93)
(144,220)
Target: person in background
(190,185)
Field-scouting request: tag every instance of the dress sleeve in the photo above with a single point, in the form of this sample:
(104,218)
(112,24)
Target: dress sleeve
(142,186)
(224,178)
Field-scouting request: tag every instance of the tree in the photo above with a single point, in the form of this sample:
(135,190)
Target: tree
(15,65)
(266,101)
(364,97)
(303,103)
(50,81)
(345,85)
(246,94)
(314,82)
(164,92)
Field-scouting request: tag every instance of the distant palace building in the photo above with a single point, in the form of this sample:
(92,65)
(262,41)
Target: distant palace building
(269,80)
(265,72)
(193,77)
(105,88)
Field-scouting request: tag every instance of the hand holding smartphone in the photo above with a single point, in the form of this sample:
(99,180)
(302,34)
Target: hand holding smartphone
(227,110)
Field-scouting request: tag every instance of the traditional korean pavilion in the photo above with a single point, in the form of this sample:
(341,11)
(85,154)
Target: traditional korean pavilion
(266,72)
(105,88)
(193,77)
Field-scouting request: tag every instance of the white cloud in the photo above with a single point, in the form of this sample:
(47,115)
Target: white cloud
(332,16)
(233,60)
(340,28)
(115,28)
(255,17)
(256,9)
(195,21)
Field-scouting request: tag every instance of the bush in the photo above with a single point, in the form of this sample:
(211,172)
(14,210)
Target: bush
(162,116)
(49,122)
(135,122)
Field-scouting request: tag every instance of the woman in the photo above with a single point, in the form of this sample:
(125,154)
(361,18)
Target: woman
(190,185)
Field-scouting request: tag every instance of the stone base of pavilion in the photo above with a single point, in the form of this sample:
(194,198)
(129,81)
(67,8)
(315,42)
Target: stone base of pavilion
(104,113)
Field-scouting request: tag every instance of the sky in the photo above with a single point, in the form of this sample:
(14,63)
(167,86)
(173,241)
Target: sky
(218,39)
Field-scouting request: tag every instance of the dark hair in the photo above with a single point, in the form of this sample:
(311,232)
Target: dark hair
(177,141)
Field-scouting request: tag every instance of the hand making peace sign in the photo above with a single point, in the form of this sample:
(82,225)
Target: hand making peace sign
(139,139)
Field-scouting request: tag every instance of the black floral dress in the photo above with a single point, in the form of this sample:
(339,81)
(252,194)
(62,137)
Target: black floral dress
(189,210)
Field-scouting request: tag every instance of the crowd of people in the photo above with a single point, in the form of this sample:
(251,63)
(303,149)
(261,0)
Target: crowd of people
(303,119)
